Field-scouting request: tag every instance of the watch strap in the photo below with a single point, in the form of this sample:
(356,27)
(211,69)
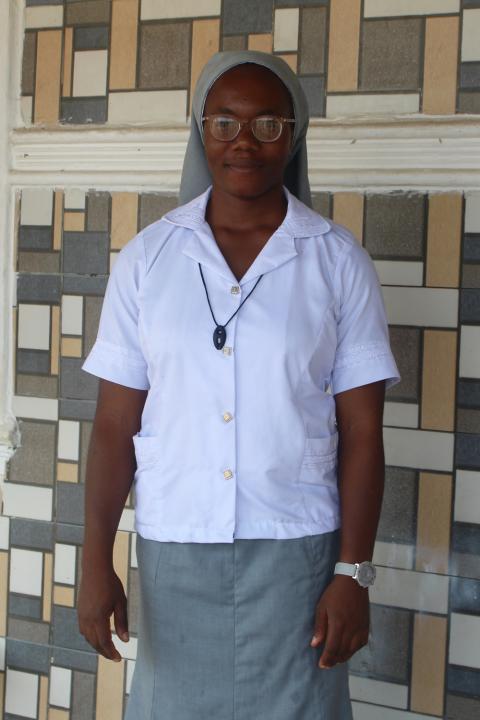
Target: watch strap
(343,568)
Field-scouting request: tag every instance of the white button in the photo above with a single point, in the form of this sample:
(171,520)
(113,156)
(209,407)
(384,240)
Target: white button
(235,289)
(227,416)
(227,474)
(227,350)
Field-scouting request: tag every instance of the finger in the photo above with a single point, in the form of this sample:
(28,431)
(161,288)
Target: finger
(120,619)
(332,645)
(320,630)
(105,643)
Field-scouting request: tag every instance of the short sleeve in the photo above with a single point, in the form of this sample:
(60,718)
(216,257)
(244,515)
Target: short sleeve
(116,354)
(363,354)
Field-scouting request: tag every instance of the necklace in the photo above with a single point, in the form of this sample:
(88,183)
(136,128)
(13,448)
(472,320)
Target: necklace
(220,333)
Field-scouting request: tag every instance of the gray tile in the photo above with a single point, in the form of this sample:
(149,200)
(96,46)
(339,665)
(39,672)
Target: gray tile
(468,393)
(37,386)
(83,111)
(153,206)
(71,534)
(471,247)
(39,288)
(85,253)
(133,600)
(27,656)
(466,538)
(386,657)
(322,203)
(93,308)
(85,434)
(471,275)
(470,306)
(34,237)
(70,503)
(98,208)
(314,88)
(397,518)
(463,680)
(34,461)
(85,285)
(464,595)
(467,451)
(25,606)
(28,63)
(164,55)
(75,659)
(465,565)
(83,696)
(471,3)
(406,347)
(302,3)
(390,54)
(249,16)
(77,409)
(28,630)
(91,38)
(65,630)
(34,534)
(88,11)
(313,30)
(44,2)
(462,708)
(469,102)
(33,361)
(75,383)
(395,225)
(470,75)
(43,262)
(468,420)
(234,42)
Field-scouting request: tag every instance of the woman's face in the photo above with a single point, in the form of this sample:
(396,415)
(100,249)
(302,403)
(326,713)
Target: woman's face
(246,167)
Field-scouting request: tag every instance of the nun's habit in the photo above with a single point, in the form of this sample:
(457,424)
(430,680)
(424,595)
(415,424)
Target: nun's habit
(224,628)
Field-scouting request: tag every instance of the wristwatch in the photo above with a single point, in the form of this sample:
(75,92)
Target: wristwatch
(364,573)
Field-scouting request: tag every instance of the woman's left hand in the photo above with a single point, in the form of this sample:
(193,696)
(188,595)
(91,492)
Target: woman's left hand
(342,621)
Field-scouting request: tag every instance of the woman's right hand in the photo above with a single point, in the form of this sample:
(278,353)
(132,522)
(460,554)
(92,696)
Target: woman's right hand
(101,594)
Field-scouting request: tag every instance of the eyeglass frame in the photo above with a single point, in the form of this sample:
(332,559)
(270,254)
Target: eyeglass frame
(241,124)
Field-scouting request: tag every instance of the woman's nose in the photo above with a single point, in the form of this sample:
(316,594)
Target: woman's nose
(246,135)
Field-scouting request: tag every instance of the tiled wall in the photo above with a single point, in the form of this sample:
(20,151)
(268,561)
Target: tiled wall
(424,656)
(137,60)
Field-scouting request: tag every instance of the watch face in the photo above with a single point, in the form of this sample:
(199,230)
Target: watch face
(366,574)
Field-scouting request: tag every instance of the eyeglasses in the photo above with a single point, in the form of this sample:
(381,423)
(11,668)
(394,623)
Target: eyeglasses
(266,128)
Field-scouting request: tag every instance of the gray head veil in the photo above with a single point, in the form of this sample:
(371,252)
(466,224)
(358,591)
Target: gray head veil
(196,174)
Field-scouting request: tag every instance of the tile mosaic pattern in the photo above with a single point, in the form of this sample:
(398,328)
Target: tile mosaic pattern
(121,61)
(423,657)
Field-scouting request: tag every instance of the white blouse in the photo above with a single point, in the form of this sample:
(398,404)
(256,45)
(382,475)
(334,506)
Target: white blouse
(240,442)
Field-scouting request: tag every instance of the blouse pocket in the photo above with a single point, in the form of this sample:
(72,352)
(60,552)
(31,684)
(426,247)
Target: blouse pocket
(319,465)
(146,450)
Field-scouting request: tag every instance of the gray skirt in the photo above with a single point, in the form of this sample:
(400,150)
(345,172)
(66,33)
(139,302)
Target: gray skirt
(225,630)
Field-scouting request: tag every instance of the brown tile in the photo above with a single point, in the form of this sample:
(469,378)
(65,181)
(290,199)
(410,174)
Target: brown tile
(96,12)
(164,55)
(344,42)
(110,678)
(57,714)
(439,372)
(67,62)
(291,59)
(47,586)
(444,239)
(42,262)
(433,522)
(47,81)
(74,221)
(28,63)
(124,218)
(260,41)
(57,219)
(428,664)
(348,211)
(234,42)
(71,347)
(67,472)
(43,698)
(3,592)
(313,28)
(440,65)
(205,42)
(390,54)
(123,44)
(55,340)
(63,595)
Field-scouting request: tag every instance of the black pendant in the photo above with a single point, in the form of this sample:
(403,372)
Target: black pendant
(219,337)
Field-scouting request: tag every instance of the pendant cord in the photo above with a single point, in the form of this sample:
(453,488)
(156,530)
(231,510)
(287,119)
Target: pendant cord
(208,299)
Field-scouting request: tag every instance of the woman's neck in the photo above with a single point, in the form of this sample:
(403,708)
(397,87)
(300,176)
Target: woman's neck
(233,212)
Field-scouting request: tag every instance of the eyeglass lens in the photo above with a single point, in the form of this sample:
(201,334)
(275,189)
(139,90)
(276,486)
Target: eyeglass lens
(265,129)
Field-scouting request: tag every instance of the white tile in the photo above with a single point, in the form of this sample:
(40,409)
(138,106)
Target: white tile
(90,73)
(156,106)
(130,670)
(75,199)
(364,711)
(21,693)
(409,589)
(378,692)
(127,650)
(26,106)
(470,351)
(44,16)
(471,35)
(60,686)
(2,654)
(127,520)
(35,408)
(398,272)
(159,9)
(4,532)
(36,207)
(68,439)
(72,314)
(420,449)
(386,8)
(465,640)
(467,496)
(26,570)
(364,104)
(398,414)
(285,37)
(133,550)
(27,501)
(65,564)
(393,555)
(472,213)
(34,327)
(431,307)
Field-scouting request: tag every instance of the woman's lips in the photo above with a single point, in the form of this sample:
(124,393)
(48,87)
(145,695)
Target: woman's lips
(244,168)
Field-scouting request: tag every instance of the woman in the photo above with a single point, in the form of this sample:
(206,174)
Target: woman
(244,354)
